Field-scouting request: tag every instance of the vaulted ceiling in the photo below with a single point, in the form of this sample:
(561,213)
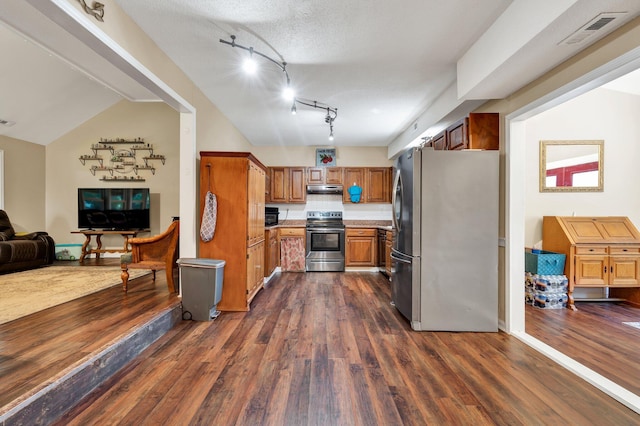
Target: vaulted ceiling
(381,65)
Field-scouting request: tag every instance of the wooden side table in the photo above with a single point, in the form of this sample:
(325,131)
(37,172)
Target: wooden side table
(88,233)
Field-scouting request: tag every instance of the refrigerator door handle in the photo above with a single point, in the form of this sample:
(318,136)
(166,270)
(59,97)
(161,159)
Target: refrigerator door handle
(395,214)
(395,255)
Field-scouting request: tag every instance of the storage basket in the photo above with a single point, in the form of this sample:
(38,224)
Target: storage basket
(543,262)
(68,251)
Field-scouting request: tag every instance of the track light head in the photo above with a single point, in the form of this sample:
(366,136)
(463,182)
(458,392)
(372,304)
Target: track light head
(249,66)
(288,93)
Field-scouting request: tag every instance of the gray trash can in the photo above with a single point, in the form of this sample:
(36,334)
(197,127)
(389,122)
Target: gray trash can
(201,285)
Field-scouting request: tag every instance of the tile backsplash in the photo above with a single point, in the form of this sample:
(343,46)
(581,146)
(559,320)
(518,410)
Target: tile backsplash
(350,211)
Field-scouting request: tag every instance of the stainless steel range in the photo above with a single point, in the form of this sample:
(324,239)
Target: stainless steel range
(325,242)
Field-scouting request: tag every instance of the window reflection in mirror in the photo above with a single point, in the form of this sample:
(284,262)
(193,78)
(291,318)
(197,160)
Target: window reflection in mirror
(571,166)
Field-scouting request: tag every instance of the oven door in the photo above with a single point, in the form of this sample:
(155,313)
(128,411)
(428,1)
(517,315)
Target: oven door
(325,249)
(319,239)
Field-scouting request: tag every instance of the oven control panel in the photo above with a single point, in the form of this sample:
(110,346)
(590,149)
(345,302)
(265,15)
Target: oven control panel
(317,215)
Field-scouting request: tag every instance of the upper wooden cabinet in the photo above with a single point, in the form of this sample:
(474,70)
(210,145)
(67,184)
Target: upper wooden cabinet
(478,130)
(374,181)
(439,142)
(351,176)
(288,185)
(378,184)
(297,185)
(324,175)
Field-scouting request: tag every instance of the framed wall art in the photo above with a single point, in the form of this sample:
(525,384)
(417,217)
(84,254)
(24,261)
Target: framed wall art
(325,157)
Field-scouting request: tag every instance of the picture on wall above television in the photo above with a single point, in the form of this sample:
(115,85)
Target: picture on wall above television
(114,208)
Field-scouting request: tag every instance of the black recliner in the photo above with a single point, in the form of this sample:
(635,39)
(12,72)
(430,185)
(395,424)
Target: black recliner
(23,251)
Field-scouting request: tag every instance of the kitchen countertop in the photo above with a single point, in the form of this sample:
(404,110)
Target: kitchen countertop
(288,224)
(379,224)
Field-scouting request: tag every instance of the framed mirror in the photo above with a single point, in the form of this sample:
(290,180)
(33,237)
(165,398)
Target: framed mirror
(572,166)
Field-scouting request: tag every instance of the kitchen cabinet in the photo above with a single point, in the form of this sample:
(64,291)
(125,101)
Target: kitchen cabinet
(351,176)
(238,181)
(382,242)
(324,175)
(288,184)
(439,142)
(378,184)
(267,187)
(478,130)
(374,181)
(600,251)
(291,242)
(271,252)
(361,247)
(255,269)
(387,253)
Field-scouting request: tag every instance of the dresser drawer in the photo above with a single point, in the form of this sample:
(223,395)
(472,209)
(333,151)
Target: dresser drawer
(582,249)
(624,249)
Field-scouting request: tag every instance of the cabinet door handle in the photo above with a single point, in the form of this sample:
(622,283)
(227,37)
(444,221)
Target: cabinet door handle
(605,269)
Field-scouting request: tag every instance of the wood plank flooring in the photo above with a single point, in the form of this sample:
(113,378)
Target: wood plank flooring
(595,336)
(36,349)
(328,349)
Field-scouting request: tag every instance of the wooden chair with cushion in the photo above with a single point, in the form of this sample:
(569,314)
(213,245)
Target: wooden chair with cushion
(154,253)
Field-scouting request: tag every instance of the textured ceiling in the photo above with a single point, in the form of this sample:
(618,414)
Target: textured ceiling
(382,66)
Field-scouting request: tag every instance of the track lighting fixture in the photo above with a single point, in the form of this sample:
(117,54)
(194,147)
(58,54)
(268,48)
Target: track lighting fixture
(250,66)
(288,93)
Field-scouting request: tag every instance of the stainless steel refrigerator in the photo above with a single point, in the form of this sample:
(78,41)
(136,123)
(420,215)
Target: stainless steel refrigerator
(445,254)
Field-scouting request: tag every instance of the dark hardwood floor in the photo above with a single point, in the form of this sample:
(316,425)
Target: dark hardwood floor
(38,349)
(595,336)
(328,349)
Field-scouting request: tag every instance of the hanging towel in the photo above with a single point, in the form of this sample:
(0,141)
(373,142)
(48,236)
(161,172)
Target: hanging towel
(209,215)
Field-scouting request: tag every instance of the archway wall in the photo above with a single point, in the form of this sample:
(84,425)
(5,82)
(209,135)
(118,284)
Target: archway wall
(607,59)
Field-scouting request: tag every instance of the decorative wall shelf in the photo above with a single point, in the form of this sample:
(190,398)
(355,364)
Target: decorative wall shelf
(122,160)
(122,179)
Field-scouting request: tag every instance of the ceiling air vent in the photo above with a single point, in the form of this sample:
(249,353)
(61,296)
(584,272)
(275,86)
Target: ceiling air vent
(594,26)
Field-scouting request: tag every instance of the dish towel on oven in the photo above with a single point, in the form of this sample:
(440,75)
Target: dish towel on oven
(209,215)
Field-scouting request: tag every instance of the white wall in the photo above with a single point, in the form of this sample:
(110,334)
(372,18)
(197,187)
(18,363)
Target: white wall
(156,123)
(24,184)
(600,114)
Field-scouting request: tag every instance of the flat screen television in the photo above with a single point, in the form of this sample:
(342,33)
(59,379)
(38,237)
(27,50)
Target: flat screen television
(113,208)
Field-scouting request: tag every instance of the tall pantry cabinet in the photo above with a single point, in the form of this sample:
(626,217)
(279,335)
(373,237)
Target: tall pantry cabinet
(237,179)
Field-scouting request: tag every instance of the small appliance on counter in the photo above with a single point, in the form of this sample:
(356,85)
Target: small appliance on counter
(271,216)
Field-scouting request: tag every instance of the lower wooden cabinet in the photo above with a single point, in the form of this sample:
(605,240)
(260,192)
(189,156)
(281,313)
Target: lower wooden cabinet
(255,270)
(271,251)
(361,247)
(387,253)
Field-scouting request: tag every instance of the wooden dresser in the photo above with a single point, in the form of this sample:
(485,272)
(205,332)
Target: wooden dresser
(601,251)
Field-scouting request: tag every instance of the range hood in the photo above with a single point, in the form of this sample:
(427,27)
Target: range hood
(324,189)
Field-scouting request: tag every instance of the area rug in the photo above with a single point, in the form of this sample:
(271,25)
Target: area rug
(27,292)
